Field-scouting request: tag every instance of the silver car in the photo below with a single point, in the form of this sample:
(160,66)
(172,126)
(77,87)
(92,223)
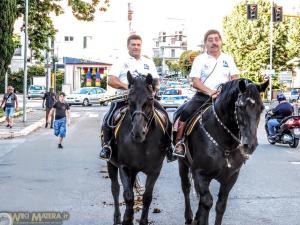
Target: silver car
(85,96)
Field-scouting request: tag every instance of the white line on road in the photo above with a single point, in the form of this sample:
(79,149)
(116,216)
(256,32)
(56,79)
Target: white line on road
(74,114)
(295,163)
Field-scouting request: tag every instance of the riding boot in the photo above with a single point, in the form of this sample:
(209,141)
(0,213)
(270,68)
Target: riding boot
(180,146)
(106,150)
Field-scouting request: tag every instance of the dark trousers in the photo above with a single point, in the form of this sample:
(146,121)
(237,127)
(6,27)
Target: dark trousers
(194,105)
(47,114)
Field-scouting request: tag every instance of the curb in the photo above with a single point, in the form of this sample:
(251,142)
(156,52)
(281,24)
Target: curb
(25,131)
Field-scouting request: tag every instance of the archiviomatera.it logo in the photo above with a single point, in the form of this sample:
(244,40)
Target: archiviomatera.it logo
(5,219)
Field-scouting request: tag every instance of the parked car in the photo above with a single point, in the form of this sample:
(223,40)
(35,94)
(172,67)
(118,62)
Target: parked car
(294,95)
(36,91)
(85,96)
(173,98)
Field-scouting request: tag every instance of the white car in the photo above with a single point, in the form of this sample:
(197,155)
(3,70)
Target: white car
(85,96)
(173,98)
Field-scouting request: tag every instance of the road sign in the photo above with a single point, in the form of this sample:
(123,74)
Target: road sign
(285,77)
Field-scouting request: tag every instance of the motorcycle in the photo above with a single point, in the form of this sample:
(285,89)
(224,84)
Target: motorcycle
(287,132)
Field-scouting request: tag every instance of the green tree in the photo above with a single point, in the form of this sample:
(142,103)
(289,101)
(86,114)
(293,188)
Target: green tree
(40,26)
(186,61)
(248,41)
(8,15)
(157,61)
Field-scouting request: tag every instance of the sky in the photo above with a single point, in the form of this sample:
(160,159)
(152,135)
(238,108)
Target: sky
(151,16)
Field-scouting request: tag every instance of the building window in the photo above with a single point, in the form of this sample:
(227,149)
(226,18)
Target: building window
(173,53)
(164,38)
(18,51)
(69,38)
(173,41)
(180,37)
(85,41)
(157,44)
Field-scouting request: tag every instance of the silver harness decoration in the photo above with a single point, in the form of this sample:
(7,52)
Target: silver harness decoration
(227,152)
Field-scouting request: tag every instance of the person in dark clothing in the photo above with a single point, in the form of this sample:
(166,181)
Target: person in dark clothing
(62,118)
(282,110)
(48,100)
(9,105)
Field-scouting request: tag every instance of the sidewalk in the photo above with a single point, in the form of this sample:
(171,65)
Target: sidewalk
(35,120)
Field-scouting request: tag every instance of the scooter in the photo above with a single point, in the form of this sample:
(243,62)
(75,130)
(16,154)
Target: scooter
(288,131)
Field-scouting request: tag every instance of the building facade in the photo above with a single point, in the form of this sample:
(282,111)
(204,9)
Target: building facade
(169,46)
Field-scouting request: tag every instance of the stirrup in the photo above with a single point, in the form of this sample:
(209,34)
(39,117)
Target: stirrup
(107,146)
(181,142)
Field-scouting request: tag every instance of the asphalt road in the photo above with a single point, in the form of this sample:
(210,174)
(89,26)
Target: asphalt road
(36,176)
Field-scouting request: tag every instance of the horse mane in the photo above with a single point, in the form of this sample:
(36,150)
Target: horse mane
(230,90)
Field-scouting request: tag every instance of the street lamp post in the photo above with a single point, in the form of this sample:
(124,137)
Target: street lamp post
(271,49)
(25,61)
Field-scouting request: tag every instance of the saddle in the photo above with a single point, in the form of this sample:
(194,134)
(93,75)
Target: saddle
(120,114)
(118,118)
(192,121)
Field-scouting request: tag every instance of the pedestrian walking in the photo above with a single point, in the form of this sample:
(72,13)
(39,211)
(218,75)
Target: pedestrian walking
(61,110)
(48,101)
(9,105)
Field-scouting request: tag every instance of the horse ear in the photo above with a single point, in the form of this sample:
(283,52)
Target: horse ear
(130,78)
(242,86)
(262,87)
(149,79)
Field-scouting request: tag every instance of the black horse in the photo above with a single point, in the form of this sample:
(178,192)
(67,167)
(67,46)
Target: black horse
(139,147)
(219,144)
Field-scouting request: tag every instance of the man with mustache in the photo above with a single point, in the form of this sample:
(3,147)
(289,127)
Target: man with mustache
(209,70)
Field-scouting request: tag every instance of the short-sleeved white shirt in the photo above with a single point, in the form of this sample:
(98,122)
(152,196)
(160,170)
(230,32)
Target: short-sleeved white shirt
(204,64)
(142,66)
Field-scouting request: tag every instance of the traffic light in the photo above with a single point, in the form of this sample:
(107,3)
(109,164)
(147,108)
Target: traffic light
(277,13)
(251,11)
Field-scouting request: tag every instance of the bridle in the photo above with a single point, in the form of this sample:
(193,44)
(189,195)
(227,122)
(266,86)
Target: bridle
(148,118)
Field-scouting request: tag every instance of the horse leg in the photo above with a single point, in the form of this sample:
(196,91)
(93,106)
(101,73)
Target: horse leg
(147,196)
(223,196)
(206,201)
(128,195)
(115,190)
(186,188)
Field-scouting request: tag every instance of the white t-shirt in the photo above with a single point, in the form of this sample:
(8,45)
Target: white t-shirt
(122,66)
(204,64)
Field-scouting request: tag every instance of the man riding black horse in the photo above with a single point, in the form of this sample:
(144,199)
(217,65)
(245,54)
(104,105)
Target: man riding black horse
(209,70)
(136,64)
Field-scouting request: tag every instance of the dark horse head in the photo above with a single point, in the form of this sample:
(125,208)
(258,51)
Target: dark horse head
(141,104)
(243,98)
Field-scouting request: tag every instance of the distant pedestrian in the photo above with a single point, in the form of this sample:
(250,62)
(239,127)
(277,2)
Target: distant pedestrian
(48,100)
(62,118)
(9,105)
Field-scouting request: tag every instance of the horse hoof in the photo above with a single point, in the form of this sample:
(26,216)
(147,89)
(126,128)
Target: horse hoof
(143,222)
(127,223)
(189,222)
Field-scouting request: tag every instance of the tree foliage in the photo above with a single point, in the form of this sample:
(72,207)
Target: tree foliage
(40,25)
(248,41)
(186,60)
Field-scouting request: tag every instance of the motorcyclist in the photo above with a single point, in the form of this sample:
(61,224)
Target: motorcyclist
(282,110)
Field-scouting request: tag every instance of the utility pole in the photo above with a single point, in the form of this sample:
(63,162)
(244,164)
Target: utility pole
(25,62)
(6,81)
(48,67)
(130,12)
(271,49)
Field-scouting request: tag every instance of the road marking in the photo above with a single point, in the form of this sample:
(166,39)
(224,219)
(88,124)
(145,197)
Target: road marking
(93,115)
(295,163)
(74,114)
